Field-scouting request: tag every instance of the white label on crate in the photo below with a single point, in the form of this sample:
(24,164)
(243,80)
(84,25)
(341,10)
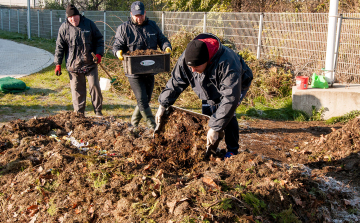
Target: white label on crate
(147,62)
(59,19)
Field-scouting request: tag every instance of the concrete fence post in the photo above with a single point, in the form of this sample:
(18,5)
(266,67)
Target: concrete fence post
(9,20)
(259,36)
(163,22)
(51,25)
(104,31)
(204,28)
(38,20)
(18,20)
(28,19)
(2,20)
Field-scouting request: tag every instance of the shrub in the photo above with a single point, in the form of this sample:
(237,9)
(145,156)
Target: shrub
(272,78)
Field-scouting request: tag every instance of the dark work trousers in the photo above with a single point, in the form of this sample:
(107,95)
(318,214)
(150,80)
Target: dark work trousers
(142,86)
(78,90)
(231,130)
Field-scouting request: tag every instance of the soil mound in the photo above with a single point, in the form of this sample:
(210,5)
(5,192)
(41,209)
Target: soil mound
(71,168)
(339,144)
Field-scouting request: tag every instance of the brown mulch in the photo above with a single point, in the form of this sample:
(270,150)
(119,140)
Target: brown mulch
(146,52)
(70,168)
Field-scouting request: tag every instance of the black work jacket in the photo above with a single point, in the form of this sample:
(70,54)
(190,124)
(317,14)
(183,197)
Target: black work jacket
(220,84)
(77,43)
(131,37)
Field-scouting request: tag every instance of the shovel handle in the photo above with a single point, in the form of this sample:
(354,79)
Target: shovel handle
(93,54)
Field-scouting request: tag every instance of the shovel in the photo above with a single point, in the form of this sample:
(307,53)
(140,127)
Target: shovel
(93,54)
(113,80)
(211,149)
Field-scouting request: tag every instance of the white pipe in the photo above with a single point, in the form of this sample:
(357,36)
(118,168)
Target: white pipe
(330,48)
(259,35)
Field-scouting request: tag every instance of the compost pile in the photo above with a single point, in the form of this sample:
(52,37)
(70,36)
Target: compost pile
(339,144)
(71,168)
(146,52)
(182,141)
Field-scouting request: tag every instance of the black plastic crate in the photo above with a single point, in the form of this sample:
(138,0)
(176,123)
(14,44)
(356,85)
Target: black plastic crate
(146,64)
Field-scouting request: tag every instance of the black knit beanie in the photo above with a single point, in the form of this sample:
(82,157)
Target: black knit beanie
(196,53)
(71,10)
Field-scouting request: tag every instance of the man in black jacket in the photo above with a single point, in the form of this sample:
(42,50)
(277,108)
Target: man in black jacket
(140,33)
(219,77)
(78,37)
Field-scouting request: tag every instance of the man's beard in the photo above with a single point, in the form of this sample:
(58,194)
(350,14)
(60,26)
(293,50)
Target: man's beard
(136,23)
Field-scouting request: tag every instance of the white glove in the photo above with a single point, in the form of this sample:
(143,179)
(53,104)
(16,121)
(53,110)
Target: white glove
(212,136)
(159,113)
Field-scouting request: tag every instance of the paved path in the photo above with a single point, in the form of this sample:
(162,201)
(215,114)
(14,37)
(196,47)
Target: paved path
(18,60)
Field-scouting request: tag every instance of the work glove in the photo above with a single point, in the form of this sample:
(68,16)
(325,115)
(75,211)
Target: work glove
(58,70)
(168,50)
(159,113)
(212,136)
(97,59)
(119,55)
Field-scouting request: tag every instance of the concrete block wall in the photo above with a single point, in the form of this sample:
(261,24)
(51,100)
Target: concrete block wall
(336,101)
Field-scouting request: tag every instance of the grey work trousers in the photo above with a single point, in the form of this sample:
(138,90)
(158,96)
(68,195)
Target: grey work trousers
(78,90)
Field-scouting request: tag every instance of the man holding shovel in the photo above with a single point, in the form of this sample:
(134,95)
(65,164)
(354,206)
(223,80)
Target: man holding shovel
(221,80)
(78,37)
(140,33)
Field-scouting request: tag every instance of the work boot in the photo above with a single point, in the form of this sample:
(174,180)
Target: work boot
(80,113)
(149,118)
(98,114)
(136,117)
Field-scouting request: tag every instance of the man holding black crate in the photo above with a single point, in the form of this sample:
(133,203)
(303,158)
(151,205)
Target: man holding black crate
(140,33)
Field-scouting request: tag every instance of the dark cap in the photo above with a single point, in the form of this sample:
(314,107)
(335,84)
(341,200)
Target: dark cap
(196,53)
(137,8)
(71,10)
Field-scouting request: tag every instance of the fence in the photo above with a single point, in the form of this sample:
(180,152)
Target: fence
(300,38)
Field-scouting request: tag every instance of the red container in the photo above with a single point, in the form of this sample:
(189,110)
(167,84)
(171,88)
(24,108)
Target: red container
(302,82)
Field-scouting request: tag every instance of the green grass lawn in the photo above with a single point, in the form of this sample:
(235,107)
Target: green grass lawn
(50,94)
